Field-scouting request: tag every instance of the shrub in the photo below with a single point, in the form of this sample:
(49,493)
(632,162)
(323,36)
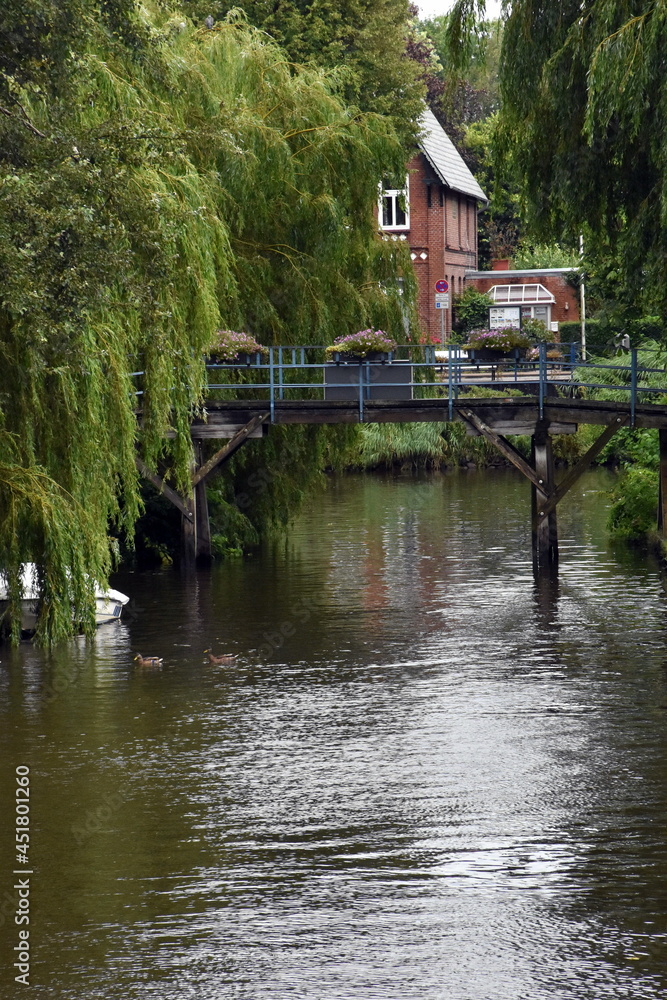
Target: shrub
(598,335)
(536,329)
(471,310)
(634,502)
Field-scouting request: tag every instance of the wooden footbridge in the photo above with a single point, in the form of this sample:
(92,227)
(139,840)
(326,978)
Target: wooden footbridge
(295,385)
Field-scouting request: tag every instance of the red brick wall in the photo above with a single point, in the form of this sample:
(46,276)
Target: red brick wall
(566,306)
(442,240)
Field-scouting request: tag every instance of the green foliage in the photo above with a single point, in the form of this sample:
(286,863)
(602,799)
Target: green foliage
(634,504)
(482,58)
(419,445)
(500,225)
(628,446)
(364,43)
(471,310)
(534,255)
(584,98)
(536,329)
(158,182)
(616,371)
(598,335)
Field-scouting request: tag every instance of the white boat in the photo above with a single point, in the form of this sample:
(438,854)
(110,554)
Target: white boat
(109,603)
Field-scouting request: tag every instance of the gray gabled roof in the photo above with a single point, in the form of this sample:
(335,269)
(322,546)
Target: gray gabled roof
(445,159)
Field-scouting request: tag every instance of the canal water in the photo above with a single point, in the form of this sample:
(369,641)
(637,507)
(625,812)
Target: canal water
(425,777)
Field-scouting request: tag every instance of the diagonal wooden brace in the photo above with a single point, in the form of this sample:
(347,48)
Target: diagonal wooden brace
(162,487)
(582,465)
(224,453)
(506,449)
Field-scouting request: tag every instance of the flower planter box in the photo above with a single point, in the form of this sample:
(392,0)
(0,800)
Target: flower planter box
(243,358)
(348,357)
(494,354)
(378,381)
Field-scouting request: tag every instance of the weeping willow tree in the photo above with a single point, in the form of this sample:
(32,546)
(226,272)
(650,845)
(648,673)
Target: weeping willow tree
(157,182)
(582,128)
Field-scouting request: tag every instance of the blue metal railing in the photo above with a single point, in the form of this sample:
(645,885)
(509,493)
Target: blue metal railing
(427,372)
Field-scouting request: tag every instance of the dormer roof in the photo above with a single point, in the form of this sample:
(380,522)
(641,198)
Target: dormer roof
(445,159)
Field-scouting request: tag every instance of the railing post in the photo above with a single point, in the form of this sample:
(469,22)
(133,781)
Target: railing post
(280,373)
(360,370)
(543,376)
(272,400)
(450,380)
(633,384)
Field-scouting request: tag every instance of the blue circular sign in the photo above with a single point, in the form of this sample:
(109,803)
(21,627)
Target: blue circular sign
(442,285)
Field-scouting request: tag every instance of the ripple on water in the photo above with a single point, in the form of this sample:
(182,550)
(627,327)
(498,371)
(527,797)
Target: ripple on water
(427,776)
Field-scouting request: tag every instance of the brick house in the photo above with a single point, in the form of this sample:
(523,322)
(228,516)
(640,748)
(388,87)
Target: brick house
(436,212)
(540,293)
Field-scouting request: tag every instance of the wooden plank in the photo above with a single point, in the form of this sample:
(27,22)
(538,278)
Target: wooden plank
(165,489)
(582,465)
(506,449)
(223,454)
(214,431)
(523,427)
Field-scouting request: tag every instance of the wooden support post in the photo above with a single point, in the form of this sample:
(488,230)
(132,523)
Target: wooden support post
(203,552)
(662,490)
(571,477)
(189,534)
(545,528)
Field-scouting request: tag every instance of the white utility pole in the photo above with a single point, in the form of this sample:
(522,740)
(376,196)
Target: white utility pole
(582,294)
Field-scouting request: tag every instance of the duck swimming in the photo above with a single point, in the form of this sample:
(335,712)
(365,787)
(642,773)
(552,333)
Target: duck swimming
(226,659)
(148,661)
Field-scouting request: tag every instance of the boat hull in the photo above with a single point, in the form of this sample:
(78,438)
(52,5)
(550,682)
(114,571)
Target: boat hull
(109,603)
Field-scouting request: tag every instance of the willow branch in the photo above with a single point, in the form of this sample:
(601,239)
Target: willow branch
(23,121)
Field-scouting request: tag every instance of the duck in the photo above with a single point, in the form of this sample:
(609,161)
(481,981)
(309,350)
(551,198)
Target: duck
(148,661)
(226,659)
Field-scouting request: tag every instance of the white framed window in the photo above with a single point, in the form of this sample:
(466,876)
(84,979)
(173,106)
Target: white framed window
(394,207)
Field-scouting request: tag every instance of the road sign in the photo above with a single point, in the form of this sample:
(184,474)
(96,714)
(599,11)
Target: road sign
(442,285)
(442,300)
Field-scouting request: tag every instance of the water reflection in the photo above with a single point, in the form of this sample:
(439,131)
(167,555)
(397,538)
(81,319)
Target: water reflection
(427,775)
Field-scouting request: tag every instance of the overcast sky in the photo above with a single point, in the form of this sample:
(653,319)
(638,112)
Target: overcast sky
(431,8)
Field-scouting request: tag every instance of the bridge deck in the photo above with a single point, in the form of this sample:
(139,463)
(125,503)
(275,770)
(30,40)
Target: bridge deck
(522,411)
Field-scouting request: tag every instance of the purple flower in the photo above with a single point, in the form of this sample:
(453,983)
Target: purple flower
(362,343)
(229,343)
